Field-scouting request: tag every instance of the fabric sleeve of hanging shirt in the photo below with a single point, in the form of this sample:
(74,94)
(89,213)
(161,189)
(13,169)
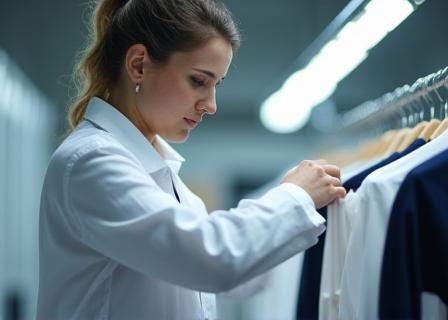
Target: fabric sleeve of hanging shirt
(118,210)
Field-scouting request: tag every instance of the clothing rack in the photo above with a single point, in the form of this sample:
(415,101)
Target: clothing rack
(426,98)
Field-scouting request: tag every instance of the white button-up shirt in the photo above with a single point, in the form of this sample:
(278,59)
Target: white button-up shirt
(116,244)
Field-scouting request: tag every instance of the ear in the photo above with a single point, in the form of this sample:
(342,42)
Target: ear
(135,59)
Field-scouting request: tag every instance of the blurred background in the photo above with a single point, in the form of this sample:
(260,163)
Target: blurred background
(231,154)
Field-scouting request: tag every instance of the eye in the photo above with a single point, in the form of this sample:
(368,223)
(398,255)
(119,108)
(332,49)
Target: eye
(197,81)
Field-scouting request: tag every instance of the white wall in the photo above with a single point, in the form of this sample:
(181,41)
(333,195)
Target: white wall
(26,124)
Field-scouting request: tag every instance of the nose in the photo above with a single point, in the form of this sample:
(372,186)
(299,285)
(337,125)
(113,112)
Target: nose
(208,104)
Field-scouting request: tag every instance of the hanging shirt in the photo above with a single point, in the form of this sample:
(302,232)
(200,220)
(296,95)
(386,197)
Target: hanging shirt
(339,221)
(311,272)
(416,252)
(353,169)
(280,290)
(339,226)
(355,182)
(361,274)
(280,285)
(310,284)
(116,244)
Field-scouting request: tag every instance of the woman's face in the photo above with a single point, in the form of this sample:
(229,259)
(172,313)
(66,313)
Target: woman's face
(174,97)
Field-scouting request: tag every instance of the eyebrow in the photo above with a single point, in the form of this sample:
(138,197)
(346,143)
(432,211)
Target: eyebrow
(209,73)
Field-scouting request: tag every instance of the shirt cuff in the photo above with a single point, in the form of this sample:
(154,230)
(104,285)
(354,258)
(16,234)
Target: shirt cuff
(305,199)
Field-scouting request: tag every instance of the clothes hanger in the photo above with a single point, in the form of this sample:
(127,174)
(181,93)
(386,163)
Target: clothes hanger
(366,150)
(414,133)
(443,125)
(377,147)
(440,129)
(397,141)
(398,137)
(432,124)
(369,149)
(384,142)
(429,130)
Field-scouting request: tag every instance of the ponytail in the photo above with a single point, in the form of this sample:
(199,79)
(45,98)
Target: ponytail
(90,76)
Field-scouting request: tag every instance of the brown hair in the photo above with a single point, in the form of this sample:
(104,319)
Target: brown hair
(162,26)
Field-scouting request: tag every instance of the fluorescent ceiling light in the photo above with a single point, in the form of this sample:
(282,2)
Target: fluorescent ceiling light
(288,109)
(279,114)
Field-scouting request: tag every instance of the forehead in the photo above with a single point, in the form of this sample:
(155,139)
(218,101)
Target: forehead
(214,55)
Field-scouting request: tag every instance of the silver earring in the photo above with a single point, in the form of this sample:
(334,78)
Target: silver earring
(137,88)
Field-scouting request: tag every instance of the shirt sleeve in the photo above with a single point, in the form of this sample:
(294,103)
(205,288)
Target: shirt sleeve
(123,214)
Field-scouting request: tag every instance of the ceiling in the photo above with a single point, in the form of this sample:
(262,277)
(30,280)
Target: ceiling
(43,38)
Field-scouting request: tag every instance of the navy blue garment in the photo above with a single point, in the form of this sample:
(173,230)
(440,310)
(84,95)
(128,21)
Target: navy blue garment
(416,250)
(355,182)
(308,298)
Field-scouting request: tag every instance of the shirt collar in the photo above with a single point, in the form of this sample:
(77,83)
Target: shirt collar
(110,119)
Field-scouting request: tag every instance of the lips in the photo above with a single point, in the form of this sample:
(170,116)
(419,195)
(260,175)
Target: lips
(192,123)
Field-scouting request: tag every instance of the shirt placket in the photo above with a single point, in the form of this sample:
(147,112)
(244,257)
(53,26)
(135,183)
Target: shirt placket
(165,181)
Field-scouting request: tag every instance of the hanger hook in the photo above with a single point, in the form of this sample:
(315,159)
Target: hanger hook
(446,109)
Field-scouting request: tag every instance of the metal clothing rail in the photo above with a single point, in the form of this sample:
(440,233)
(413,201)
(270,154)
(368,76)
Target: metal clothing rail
(350,11)
(425,99)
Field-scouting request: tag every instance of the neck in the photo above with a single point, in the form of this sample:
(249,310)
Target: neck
(126,102)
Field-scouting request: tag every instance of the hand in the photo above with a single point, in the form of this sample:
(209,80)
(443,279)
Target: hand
(320,180)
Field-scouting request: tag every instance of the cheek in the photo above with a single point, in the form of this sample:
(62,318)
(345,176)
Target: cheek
(169,100)
(183,91)
(179,97)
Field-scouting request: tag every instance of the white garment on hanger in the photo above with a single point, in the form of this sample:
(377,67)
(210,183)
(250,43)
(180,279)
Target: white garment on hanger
(361,275)
(278,287)
(278,300)
(339,224)
(357,167)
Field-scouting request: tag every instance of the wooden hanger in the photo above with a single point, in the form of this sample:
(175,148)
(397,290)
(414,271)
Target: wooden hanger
(374,147)
(396,141)
(412,135)
(429,129)
(442,125)
(383,143)
(440,129)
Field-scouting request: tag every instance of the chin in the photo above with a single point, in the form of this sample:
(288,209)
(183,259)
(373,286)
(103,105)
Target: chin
(178,138)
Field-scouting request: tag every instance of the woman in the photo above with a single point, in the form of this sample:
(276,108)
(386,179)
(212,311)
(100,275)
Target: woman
(121,237)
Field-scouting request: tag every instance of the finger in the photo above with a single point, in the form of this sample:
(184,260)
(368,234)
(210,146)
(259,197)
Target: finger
(333,181)
(321,161)
(339,192)
(332,170)
(291,170)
